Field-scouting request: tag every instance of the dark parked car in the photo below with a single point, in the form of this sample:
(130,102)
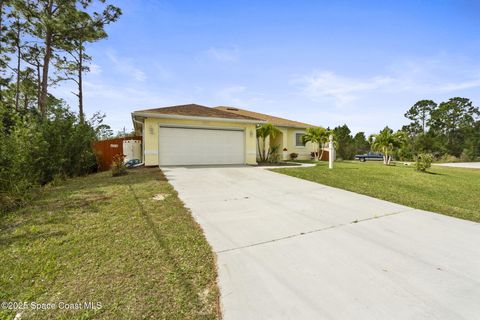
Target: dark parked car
(133,163)
(369,156)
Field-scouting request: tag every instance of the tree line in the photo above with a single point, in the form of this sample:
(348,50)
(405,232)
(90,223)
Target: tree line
(43,43)
(449,131)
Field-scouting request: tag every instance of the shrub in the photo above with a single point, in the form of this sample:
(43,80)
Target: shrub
(35,150)
(273,156)
(118,167)
(467,156)
(293,155)
(423,162)
(449,158)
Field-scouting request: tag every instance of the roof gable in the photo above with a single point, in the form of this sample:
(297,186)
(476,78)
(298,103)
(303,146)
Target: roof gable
(196,110)
(277,121)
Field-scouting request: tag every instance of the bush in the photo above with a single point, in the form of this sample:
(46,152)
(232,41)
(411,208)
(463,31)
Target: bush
(34,150)
(293,155)
(423,162)
(273,155)
(118,167)
(467,156)
(448,158)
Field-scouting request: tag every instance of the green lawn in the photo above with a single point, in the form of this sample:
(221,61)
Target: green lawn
(451,191)
(103,239)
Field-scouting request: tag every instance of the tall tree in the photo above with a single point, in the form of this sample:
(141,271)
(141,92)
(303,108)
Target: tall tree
(344,139)
(59,25)
(89,28)
(420,112)
(5,46)
(453,120)
(51,21)
(360,143)
(18,28)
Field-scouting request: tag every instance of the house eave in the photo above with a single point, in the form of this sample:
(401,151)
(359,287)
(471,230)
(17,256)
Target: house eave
(181,117)
(290,127)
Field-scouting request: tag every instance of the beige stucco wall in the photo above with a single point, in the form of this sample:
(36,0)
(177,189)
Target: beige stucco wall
(287,140)
(303,152)
(152,125)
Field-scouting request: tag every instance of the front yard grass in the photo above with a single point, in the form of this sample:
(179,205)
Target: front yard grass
(451,191)
(106,240)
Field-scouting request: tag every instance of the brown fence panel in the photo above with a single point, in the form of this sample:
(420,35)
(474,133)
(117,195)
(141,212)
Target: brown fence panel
(105,150)
(324,156)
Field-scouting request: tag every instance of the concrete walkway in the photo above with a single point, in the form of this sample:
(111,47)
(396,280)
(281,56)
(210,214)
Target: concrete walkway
(292,249)
(472,165)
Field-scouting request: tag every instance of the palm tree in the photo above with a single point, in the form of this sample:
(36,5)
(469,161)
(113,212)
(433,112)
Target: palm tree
(317,136)
(263,132)
(386,142)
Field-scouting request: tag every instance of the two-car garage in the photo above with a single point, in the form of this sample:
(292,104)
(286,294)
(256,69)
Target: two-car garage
(200,146)
(192,134)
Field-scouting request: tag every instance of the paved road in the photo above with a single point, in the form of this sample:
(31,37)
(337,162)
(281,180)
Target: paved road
(292,249)
(473,165)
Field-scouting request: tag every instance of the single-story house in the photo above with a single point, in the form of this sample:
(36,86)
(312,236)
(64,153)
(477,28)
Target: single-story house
(195,135)
(290,138)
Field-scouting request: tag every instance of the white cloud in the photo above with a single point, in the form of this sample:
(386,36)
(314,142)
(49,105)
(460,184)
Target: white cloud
(240,96)
(368,102)
(231,95)
(469,84)
(125,66)
(428,78)
(95,69)
(117,101)
(341,89)
(223,54)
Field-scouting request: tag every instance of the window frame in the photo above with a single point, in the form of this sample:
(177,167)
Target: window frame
(301,144)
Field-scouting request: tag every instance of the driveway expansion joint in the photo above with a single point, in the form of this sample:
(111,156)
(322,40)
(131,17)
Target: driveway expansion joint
(303,233)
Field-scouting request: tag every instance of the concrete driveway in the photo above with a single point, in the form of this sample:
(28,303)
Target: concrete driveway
(293,249)
(472,165)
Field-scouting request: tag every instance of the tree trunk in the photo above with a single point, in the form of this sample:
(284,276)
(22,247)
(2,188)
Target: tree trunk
(46,63)
(259,150)
(25,102)
(26,98)
(320,154)
(1,19)
(262,156)
(80,91)
(42,103)
(423,123)
(39,81)
(1,47)
(17,87)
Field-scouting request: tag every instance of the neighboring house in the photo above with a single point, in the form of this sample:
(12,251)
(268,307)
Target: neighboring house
(195,135)
(290,137)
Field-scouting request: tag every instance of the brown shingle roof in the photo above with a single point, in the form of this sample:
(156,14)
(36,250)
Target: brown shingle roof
(277,121)
(195,110)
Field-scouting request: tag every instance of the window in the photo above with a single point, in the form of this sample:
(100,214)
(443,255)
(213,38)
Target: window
(298,139)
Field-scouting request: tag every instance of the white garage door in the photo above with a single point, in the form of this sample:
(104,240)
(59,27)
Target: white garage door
(191,146)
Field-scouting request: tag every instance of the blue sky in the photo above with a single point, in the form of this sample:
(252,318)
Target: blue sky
(363,63)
